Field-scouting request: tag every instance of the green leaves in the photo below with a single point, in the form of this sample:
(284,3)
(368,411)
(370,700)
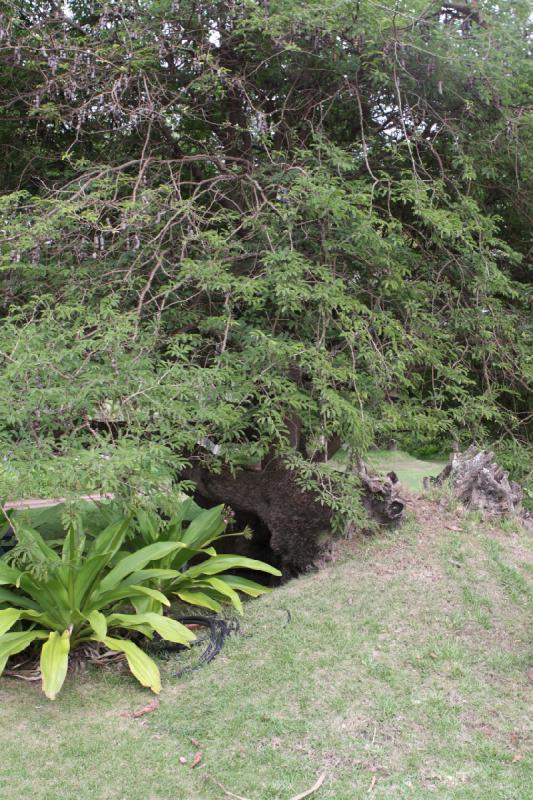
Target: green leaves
(8,575)
(8,617)
(78,597)
(204,528)
(98,623)
(14,642)
(205,583)
(136,561)
(286,262)
(141,665)
(166,627)
(198,597)
(222,563)
(54,663)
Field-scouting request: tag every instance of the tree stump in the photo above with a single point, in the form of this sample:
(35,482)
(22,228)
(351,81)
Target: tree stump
(480,483)
(380,495)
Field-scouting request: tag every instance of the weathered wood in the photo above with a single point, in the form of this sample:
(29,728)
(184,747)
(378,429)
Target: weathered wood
(381,496)
(480,483)
(38,502)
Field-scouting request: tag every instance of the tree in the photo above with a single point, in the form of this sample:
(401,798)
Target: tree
(242,233)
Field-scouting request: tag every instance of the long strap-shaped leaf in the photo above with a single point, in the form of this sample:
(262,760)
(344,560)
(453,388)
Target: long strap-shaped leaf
(8,575)
(126,592)
(110,539)
(141,665)
(223,562)
(7,596)
(8,617)
(166,627)
(136,561)
(204,528)
(15,642)
(54,663)
(198,597)
(245,585)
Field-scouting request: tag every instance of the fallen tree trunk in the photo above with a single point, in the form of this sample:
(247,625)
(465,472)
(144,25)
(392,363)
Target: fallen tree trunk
(292,523)
(481,484)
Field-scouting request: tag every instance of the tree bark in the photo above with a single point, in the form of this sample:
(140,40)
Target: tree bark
(292,523)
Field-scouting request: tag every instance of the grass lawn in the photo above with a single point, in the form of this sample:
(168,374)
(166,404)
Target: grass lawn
(403,674)
(410,470)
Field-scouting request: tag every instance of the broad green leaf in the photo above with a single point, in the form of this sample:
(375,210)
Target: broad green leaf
(8,575)
(224,562)
(204,527)
(53,594)
(187,511)
(49,596)
(87,578)
(8,617)
(136,561)
(144,604)
(54,663)
(244,585)
(141,665)
(39,616)
(184,554)
(166,627)
(170,629)
(148,525)
(227,591)
(110,539)
(197,597)
(15,642)
(127,591)
(160,575)
(7,596)
(74,542)
(190,509)
(98,623)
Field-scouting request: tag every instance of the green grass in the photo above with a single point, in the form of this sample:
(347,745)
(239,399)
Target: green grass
(410,470)
(405,661)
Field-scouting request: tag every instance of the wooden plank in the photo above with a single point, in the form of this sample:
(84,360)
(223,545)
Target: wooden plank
(36,502)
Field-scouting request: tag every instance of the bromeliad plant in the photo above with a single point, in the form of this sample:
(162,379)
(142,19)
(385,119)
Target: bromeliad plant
(207,581)
(79,595)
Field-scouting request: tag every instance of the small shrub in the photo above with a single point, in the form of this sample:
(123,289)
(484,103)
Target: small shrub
(198,574)
(79,595)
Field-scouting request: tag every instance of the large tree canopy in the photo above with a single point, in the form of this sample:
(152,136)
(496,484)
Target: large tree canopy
(264,226)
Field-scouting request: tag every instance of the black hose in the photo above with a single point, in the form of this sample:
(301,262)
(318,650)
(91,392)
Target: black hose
(218,629)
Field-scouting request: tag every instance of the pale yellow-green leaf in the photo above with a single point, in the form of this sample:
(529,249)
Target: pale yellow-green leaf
(166,627)
(54,662)
(98,623)
(227,591)
(8,617)
(141,665)
(15,641)
(196,597)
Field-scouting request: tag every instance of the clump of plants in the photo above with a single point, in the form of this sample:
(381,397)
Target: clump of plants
(114,588)
(207,581)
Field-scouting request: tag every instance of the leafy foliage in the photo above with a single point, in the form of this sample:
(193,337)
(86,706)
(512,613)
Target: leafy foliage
(207,582)
(224,222)
(78,596)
